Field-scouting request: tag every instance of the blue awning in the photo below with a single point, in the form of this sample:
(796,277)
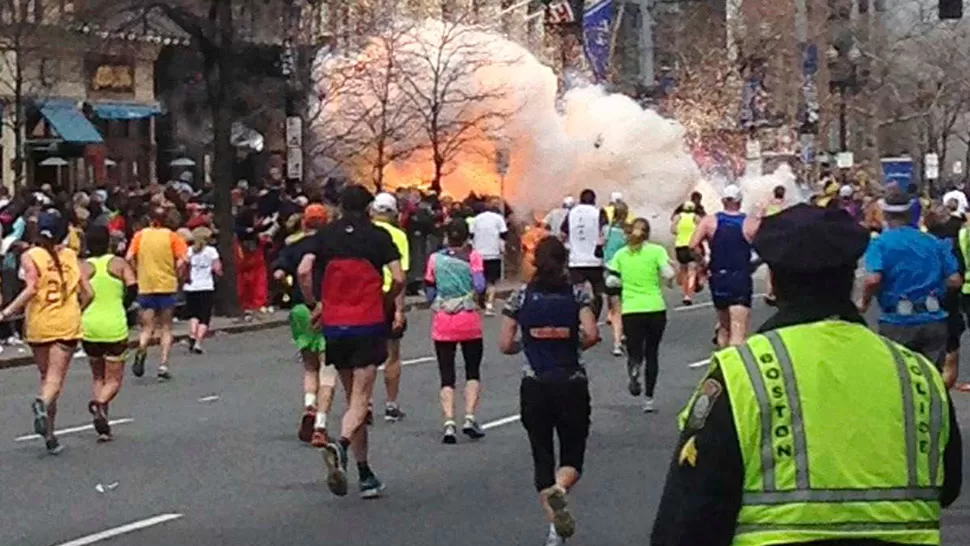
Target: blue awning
(69,123)
(122,110)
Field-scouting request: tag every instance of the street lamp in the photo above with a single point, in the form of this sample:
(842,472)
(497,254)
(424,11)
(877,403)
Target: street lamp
(843,58)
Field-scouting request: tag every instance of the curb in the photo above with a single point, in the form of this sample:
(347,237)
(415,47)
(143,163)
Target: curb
(27,359)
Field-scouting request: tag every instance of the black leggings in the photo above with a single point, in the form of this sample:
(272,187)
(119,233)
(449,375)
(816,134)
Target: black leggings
(471,350)
(560,408)
(643,333)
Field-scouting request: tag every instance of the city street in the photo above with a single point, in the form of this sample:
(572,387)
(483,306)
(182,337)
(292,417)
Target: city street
(212,458)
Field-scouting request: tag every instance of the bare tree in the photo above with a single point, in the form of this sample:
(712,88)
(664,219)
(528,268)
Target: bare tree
(28,70)
(457,109)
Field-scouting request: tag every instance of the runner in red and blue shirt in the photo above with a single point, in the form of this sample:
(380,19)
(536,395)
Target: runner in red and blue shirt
(342,280)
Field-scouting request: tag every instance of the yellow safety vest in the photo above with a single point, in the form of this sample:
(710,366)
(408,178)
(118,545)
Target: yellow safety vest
(964,239)
(842,434)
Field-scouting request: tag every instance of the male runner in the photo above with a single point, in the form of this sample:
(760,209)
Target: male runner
(729,234)
(319,379)
(347,258)
(384,211)
(583,230)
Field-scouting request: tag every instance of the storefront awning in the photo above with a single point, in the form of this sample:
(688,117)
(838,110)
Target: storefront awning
(121,110)
(69,123)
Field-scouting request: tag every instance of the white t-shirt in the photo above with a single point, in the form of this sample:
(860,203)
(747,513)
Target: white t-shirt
(200,272)
(961,198)
(584,236)
(487,230)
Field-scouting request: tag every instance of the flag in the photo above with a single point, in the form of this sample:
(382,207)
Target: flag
(597,31)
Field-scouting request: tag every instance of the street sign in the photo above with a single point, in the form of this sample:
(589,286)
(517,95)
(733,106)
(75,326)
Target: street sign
(844,160)
(931,166)
(294,163)
(559,13)
(294,132)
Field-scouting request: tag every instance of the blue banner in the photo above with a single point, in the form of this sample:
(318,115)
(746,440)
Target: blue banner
(898,171)
(597,31)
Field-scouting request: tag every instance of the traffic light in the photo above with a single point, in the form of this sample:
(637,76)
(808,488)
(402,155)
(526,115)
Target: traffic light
(951,9)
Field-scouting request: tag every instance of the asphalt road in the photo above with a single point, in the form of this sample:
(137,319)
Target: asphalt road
(212,457)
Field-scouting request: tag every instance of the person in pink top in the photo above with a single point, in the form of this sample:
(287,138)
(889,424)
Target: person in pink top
(454,278)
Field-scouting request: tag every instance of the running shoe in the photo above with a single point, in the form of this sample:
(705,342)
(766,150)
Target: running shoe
(393,414)
(191,345)
(771,301)
(472,429)
(319,438)
(41,421)
(138,366)
(451,433)
(53,446)
(163,373)
(618,350)
(634,386)
(305,434)
(489,311)
(562,519)
(553,538)
(335,457)
(100,420)
(687,302)
(648,406)
(371,487)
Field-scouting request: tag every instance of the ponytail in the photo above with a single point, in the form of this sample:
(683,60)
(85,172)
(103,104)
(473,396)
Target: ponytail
(48,244)
(550,263)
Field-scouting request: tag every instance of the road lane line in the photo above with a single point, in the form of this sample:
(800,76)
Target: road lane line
(700,364)
(500,422)
(72,430)
(412,361)
(211,398)
(122,530)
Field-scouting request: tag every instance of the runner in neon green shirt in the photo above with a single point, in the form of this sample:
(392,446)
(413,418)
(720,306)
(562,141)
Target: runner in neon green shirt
(384,212)
(641,269)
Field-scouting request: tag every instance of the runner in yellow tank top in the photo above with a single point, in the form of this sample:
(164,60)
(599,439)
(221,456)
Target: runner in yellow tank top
(683,225)
(776,204)
(105,323)
(54,294)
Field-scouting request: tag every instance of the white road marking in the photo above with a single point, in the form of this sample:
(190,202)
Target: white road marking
(706,304)
(28,437)
(122,530)
(500,422)
(700,364)
(211,398)
(413,361)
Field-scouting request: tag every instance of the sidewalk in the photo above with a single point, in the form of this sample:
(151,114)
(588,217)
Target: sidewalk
(20,355)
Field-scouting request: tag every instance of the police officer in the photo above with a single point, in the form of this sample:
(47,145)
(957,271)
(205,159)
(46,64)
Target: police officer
(556,319)
(815,430)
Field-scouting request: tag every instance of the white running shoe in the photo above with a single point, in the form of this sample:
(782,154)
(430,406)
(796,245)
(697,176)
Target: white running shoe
(553,539)
(648,406)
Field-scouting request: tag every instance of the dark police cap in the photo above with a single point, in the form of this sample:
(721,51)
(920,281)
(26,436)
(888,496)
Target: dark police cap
(804,239)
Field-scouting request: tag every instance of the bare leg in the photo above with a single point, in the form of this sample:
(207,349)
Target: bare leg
(311,374)
(165,325)
(194,329)
(58,360)
(97,378)
(447,397)
(114,372)
(616,321)
(359,384)
(723,328)
(473,389)
(147,317)
(738,324)
(392,370)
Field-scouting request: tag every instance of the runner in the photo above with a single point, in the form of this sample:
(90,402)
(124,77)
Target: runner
(640,269)
(556,319)
(347,257)
(54,295)
(774,205)
(729,235)
(453,278)
(615,238)
(488,232)
(683,226)
(157,255)
(319,379)
(582,230)
(105,323)
(384,212)
(200,291)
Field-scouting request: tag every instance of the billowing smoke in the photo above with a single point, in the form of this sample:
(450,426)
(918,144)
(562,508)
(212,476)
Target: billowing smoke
(557,146)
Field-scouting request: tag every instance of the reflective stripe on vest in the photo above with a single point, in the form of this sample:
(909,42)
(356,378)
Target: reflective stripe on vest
(780,504)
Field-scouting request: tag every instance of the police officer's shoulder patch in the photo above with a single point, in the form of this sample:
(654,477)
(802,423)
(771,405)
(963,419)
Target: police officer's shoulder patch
(710,390)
